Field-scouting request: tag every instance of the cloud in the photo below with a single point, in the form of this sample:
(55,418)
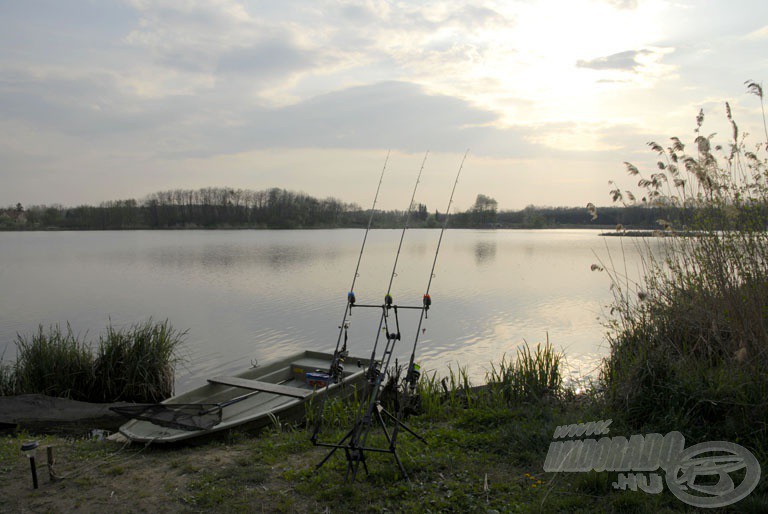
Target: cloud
(473,17)
(759,34)
(389,114)
(271,57)
(627,61)
(85,103)
(219,38)
(146,84)
(623,4)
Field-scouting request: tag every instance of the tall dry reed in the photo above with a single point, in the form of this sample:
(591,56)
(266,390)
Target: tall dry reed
(689,342)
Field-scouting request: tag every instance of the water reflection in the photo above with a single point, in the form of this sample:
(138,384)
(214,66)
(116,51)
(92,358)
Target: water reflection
(485,252)
(278,257)
(247,295)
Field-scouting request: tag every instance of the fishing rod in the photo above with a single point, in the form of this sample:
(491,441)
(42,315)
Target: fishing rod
(388,301)
(359,437)
(377,368)
(336,369)
(412,373)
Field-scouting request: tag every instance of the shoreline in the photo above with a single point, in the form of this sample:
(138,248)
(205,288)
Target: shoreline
(213,229)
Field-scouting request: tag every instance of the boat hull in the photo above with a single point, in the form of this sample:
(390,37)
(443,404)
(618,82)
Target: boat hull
(299,373)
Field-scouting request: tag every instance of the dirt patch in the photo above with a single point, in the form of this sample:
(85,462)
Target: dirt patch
(103,476)
(104,479)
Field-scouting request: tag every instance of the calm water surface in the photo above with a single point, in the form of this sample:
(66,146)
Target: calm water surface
(256,295)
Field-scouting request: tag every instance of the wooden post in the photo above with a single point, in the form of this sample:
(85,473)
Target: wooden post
(49,454)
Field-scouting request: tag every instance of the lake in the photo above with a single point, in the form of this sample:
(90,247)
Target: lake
(247,296)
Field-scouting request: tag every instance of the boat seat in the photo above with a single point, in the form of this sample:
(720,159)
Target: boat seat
(311,364)
(267,387)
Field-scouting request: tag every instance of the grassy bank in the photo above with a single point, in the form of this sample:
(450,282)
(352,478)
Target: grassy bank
(130,364)
(486,447)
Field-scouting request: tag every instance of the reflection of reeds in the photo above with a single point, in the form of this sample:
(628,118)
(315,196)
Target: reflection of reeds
(134,364)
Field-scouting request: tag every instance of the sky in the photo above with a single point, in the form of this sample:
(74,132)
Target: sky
(113,99)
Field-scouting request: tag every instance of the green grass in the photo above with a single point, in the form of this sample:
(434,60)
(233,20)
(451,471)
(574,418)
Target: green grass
(485,454)
(535,376)
(55,363)
(131,364)
(137,362)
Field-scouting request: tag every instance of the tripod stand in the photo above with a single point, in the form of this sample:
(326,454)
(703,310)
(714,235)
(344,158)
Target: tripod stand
(354,443)
(356,454)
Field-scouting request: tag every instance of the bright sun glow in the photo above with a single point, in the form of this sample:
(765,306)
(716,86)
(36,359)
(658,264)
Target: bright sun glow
(535,61)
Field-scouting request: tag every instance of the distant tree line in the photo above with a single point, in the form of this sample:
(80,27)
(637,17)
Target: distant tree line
(484,214)
(202,208)
(275,208)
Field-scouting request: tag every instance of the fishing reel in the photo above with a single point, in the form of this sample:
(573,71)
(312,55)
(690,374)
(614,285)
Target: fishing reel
(414,373)
(336,372)
(372,373)
(337,368)
(337,365)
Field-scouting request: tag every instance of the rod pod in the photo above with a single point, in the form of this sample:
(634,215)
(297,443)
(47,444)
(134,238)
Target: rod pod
(354,442)
(376,371)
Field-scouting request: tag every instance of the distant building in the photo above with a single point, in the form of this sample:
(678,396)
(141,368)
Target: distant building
(12,216)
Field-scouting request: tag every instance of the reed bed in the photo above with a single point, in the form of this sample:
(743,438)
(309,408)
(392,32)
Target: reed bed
(130,364)
(137,362)
(689,342)
(439,397)
(7,379)
(535,376)
(55,363)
